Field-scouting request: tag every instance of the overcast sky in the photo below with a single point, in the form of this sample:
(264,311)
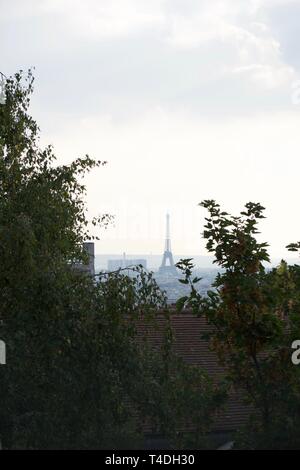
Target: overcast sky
(186,100)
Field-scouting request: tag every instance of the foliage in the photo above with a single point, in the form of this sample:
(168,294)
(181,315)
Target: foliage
(169,396)
(182,400)
(76,377)
(254,318)
(59,388)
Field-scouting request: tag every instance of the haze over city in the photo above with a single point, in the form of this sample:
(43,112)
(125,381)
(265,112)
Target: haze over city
(185,100)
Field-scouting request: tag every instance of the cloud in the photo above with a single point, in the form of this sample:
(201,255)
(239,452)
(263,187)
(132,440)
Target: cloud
(271,76)
(186,99)
(166,46)
(98,19)
(252,49)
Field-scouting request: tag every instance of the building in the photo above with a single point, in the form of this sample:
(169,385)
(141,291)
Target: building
(123,263)
(189,344)
(89,266)
(168,267)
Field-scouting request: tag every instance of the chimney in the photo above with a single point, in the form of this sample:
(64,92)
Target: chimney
(89,247)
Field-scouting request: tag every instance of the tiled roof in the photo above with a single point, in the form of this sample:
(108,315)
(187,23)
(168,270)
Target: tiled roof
(188,330)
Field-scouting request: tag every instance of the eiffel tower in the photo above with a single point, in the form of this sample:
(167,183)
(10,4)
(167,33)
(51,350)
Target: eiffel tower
(165,268)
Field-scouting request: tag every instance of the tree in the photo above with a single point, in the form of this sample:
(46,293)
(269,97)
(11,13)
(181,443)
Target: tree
(75,375)
(254,314)
(48,312)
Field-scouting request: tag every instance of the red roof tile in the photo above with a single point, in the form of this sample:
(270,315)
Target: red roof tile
(189,344)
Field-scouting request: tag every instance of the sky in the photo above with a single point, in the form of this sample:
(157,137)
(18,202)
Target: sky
(186,100)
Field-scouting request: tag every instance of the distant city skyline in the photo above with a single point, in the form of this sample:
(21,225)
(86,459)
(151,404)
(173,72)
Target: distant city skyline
(154,260)
(185,100)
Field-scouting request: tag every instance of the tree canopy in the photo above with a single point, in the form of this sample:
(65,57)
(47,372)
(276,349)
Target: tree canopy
(254,313)
(75,375)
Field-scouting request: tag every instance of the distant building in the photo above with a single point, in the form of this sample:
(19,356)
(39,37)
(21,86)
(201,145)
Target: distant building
(89,266)
(115,264)
(168,267)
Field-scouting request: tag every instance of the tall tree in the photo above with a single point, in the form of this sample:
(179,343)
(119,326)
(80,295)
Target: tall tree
(75,375)
(254,314)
